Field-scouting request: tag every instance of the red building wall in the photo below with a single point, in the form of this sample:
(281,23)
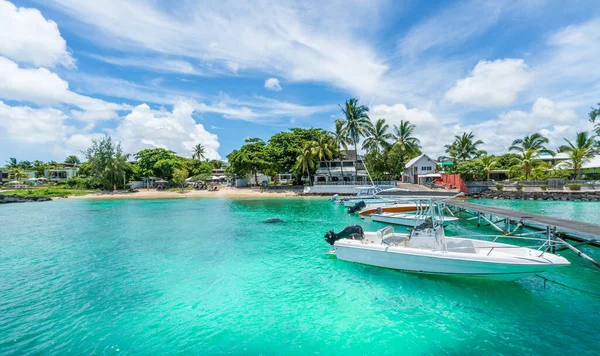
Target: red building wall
(454,181)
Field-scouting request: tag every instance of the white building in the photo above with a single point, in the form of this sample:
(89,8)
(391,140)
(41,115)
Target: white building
(418,166)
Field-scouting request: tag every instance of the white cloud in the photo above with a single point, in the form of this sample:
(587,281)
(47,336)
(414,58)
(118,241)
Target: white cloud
(43,87)
(285,38)
(32,126)
(272,84)
(26,36)
(163,65)
(177,131)
(492,84)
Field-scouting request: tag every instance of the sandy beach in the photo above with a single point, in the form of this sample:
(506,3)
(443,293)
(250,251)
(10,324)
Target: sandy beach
(227,192)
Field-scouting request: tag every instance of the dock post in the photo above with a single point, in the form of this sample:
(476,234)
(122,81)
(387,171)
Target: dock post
(507,224)
(549,237)
(478,219)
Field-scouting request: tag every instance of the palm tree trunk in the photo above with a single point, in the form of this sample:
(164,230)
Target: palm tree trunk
(355,163)
(341,168)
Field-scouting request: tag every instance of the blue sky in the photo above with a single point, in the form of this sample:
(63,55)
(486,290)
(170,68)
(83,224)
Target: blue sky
(172,74)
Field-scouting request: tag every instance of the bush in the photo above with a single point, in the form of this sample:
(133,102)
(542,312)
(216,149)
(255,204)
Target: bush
(574,186)
(499,186)
(519,187)
(544,187)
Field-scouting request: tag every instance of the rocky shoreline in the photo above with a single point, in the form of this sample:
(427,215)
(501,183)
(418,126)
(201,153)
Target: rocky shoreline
(5,199)
(541,195)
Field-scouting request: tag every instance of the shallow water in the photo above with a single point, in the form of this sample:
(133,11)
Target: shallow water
(209,276)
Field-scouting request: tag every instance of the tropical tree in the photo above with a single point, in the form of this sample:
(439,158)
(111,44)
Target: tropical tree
(405,142)
(179,177)
(323,150)
(157,162)
(529,149)
(341,140)
(594,114)
(17,173)
(536,142)
(377,137)
(11,163)
(464,147)
(306,161)
(489,163)
(25,164)
(251,158)
(580,152)
(357,124)
(107,163)
(72,160)
(199,152)
(283,147)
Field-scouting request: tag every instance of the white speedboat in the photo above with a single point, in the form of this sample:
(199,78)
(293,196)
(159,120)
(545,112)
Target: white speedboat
(408,219)
(426,249)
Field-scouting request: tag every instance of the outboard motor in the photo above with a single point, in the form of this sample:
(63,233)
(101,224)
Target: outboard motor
(335,197)
(353,209)
(353,231)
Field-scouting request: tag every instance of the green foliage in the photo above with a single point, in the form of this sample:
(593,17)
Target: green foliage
(357,123)
(516,172)
(471,170)
(283,148)
(72,160)
(107,163)
(594,114)
(179,177)
(24,165)
(199,152)
(580,152)
(251,158)
(11,163)
(499,186)
(83,183)
(54,192)
(157,162)
(489,163)
(306,161)
(560,174)
(544,187)
(574,186)
(464,147)
(540,172)
(38,167)
(519,187)
(404,148)
(507,160)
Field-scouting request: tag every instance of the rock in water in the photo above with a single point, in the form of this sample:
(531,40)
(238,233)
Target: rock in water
(273,221)
(5,199)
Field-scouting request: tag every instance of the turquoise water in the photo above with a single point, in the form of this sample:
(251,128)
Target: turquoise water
(208,276)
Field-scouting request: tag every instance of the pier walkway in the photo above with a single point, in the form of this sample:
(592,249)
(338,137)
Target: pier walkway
(572,228)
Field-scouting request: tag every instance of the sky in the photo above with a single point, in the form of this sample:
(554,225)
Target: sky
(174,74)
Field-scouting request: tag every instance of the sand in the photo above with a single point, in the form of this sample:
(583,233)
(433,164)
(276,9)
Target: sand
(227,192)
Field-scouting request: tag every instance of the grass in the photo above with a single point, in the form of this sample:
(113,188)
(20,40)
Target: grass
(178,189)
(50,192)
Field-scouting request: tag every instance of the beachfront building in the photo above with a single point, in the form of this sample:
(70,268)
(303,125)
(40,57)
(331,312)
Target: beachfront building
(5,175)
(422,167)
(335,172)
(60,174)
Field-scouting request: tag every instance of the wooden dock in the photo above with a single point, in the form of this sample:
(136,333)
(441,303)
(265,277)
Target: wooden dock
(574,229)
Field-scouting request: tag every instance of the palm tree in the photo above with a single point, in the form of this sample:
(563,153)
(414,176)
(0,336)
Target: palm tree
(199,152)
(594,114)
(72,160)
(341,140)
(489,163)
(306,161)
(16,173)
(11,163)
(464,148)
(323,150)
(530,148)
(579,153)
(534,142)
(405,141)
(377,137)
(357,125)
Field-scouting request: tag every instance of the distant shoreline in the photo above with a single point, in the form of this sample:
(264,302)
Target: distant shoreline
(227,192)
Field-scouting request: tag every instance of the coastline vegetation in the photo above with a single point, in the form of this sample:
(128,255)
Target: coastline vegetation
(298,151)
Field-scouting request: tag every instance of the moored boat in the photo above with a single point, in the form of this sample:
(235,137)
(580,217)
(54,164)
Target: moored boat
(408,219)
(426,249)
(391,208)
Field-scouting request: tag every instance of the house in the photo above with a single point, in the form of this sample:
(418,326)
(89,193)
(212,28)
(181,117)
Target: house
(60,174)
(422,166)
(5,175)
(335,172)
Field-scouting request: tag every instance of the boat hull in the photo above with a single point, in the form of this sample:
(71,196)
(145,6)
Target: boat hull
(446,263)
(405,219)
(389,209)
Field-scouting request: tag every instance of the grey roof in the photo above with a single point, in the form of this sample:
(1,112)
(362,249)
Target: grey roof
(414,160)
